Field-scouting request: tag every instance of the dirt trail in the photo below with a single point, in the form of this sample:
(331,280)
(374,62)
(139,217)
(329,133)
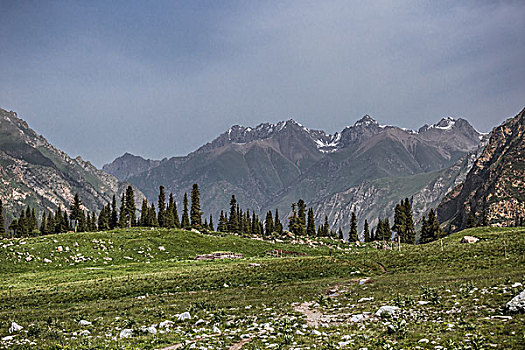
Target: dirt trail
(313,317)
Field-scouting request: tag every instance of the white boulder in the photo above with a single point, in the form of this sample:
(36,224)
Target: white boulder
(166,324)
(15,327)
(84,323)
(184,316)
(517,304)
(469,239)
(389,310)
(126,333)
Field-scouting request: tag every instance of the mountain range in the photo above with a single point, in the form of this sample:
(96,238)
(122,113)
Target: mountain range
(366,168)
(33,172)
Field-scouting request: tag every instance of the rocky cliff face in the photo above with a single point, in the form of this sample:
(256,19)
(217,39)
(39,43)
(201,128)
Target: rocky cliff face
(496,183)
(129,165)
(272,165)
(34,172)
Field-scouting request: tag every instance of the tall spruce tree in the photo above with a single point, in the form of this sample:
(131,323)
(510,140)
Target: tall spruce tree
(410,232)
(353,235)
(366,233)
(293,225)
(122,212)
(233,222)
(130,208)
(268,223)
(161,205)
(340,234)
(185,223)
(400,221)
(168,215)
(222,226)
(471,221)
(195,212)
(210,224)
(278,226)
(144,212)
(310,225)
(76,212)
(301,217)
(175,214)
(113,218)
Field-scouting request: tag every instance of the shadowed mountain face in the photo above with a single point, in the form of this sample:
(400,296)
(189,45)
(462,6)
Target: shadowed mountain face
(495,186)
(272,165)
(33,172)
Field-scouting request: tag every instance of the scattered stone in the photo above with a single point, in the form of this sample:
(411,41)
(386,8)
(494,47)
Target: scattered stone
(84,333)
(359,317)
(365,299)
(15,327)
(8,338)
(84,323)
(363,281)
(126,333)
(166,324)
(151,329)
(517,304)
(516,285)
(387,310)
(469,239)
(423,340)
(423,302)
(47,261)
(216,329)
(161,248)
(183,316)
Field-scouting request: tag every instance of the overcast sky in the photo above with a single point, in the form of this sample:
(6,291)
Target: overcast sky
(160,78)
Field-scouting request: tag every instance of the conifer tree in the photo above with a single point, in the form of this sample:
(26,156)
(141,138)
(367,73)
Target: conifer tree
(43,224)
(222,225)
(2,218)
(310,226)
(113,218)
(76,212)
(410,233)
(471,221)
(175,214)
(210,224)
(366,233)
(293,224)
(168,215)
(278,226)
(161,205)
(185,223)
(196,213)
(103,219)
(326,227)
(268,223)
(340,234)
(233,222)
(130,208)
(372,235)
(122,212)
(301,217)
(144,213)
(485,218)
(353,235)
(400,221)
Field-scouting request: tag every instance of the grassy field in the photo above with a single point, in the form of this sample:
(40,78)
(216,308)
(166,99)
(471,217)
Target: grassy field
(132,279)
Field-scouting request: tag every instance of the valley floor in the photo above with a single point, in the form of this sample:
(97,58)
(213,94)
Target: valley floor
(141,283)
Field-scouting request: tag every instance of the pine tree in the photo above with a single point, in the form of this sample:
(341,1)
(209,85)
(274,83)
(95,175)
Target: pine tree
(185,223)
(196,213)
(326,227)
(43,224)
(310,226)
(268,223)
(144,212)
(76,212)
(161,205)
(471,221)
(222,226)
(210,224)
(435,229)
(352,235)
(485,218)
(366,233)
(168,215)
(301,217)
(400,221)
(410,232)
(122,212)
(293,221)
(233,222)
(2,219)
(130,208)
(175,214)
(113,219)
(340,234)
(278,227)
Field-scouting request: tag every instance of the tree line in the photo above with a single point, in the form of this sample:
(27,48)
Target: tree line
(301,221)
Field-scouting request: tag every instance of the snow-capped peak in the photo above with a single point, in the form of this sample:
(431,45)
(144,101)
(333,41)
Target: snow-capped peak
(365,121)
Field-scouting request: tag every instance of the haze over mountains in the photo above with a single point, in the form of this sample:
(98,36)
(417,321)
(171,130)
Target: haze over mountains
(364,168)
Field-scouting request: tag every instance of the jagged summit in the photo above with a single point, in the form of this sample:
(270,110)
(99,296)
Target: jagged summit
(365,121)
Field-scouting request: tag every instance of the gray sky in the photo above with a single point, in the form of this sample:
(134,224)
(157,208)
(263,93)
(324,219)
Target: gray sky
(161,78)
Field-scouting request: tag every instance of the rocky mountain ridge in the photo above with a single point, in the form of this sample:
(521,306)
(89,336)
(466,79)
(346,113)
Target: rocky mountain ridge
(36,173)
(494,189)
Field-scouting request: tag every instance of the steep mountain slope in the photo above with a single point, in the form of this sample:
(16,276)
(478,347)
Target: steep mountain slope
(272,165)
(495,184)
(34,172)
